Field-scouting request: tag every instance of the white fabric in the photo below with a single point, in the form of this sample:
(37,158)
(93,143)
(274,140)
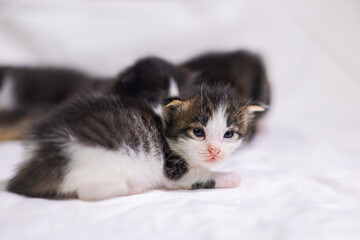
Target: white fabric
(301,175)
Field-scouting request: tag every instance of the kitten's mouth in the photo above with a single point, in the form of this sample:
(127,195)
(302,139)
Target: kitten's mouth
(211,160)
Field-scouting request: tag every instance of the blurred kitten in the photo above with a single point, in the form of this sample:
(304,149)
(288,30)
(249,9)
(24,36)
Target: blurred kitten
(242,70)
(28,93)
(40,88)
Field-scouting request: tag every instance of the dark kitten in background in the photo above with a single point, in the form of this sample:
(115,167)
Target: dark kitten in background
(40,88)
(152,79)
(27,93)
(242,70)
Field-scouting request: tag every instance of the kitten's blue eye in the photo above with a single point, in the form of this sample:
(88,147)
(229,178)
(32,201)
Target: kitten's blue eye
(199,132)
(229,134)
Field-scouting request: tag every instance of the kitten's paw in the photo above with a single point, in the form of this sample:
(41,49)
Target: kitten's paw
(227,180)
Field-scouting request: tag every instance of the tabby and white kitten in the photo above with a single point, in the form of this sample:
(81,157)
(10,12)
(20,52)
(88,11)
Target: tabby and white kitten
(106,146)
(203,128)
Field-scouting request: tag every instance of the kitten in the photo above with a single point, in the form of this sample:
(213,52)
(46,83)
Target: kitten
(151,79)
(27,93)
(206,125)
(29,89)
(244,70)
(106,146)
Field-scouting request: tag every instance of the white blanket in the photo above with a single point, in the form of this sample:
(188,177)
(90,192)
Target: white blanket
(300,176)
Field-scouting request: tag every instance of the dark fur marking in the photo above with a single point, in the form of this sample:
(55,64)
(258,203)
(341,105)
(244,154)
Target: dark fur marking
(174,166)
(202,120)
(199,185)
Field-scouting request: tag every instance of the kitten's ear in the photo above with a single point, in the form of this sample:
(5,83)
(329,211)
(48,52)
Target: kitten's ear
(171,107)
(171,101)
(256,107)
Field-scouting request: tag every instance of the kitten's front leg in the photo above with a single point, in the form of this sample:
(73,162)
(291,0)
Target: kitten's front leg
(183,176)
(226,179)
(208,179)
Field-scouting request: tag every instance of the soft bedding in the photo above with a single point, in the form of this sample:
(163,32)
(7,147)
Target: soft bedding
(300,175)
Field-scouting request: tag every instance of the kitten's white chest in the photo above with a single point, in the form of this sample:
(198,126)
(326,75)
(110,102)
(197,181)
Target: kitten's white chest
(97,173)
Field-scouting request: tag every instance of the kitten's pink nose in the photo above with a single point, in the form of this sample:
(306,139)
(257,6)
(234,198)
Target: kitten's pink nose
(214,147)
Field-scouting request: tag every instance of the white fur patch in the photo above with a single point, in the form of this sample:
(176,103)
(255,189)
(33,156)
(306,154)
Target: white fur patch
(173,92)
(158,110)
(173,89)
(7,95)
(96,173)
(217,126)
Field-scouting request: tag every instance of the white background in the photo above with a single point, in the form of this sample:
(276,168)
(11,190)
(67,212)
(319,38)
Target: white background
(301,175)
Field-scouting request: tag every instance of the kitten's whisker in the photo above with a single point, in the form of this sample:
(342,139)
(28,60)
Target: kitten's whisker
(246,104)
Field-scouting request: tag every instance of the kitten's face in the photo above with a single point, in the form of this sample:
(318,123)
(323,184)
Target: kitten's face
(204,131)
